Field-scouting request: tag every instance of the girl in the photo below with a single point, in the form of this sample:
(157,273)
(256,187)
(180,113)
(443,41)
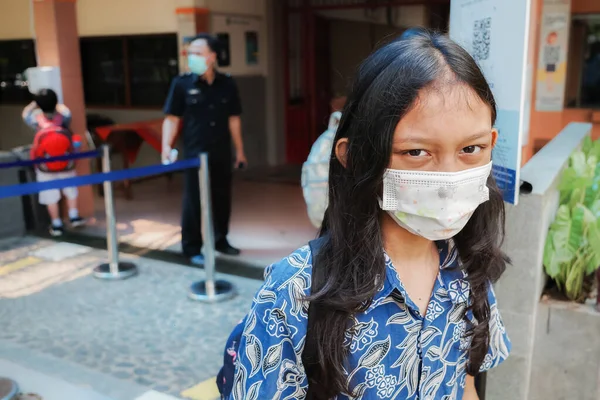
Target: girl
(394,300)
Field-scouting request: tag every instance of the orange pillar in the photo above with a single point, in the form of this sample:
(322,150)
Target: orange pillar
(57,43)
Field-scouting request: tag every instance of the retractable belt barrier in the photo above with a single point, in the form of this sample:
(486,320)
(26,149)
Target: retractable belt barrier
(35,161)
(94,179)
(208,290)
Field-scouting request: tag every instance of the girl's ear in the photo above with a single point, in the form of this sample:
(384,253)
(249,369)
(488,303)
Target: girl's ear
(341,151)
(494,137)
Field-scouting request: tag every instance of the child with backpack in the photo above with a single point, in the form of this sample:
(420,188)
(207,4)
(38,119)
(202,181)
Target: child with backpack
(53,138)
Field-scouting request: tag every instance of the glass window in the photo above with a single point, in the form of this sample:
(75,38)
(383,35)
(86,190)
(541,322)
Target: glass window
(103,69)
(129,71)
(153,63)
(15,57)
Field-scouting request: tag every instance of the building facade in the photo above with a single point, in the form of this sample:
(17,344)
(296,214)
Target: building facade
(292,59)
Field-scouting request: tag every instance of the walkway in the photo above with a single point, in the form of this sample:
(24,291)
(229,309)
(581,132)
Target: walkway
(110,340)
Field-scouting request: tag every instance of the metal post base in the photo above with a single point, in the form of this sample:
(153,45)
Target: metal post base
(223,291)
(8,389)
(126,270)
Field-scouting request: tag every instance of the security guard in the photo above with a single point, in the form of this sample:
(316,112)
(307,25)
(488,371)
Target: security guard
(209,103)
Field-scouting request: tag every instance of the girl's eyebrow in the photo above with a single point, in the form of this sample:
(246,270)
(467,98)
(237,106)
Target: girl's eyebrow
(424,140)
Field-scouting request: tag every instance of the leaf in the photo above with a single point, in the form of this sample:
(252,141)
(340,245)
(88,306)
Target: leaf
(253,391)
(498,344)
(359,390)
(568,229)
(577,197)
(400,318)
(578,162)
(254,353)
(457,313)
(574,282)
(377,351)
(592,194)
(566,180)
(432,383)
(251,323)
(428,334)
(272,358)
(433,353)
(592,163)
(266,296)
(576,238)
(551,263)
(596,149)
(239,384)
(587,145)
(595,209)
(593,237)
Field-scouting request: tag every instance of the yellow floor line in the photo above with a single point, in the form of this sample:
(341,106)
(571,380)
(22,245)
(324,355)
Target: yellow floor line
(19,264)
(206,390)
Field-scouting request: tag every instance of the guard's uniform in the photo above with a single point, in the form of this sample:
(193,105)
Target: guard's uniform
(205,110)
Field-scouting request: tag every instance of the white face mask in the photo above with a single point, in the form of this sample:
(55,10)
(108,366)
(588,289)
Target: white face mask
(435,205)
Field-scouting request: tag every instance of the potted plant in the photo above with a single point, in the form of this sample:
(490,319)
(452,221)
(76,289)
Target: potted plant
(572,250)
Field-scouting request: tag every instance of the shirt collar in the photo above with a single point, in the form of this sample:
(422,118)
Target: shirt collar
(452,279)
(198,79)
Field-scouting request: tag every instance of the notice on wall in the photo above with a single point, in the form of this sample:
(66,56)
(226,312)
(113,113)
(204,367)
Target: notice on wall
(496,32)
(553,51)
(251,47)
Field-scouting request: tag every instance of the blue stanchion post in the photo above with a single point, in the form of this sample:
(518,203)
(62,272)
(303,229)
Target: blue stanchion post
(209,290)
(113,270)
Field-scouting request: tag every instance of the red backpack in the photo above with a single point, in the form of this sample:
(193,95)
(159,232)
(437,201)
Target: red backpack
(53,140)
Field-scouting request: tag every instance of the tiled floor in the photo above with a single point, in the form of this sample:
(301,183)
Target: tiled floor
(268,222)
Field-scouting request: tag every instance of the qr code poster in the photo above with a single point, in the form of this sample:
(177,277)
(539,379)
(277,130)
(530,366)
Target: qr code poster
(495,33)
(482,33)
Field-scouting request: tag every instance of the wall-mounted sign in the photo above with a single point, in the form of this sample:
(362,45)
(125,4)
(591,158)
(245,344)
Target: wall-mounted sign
(553,50)
(496,33)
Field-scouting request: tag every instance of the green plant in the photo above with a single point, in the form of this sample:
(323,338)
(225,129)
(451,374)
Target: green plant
(572,250)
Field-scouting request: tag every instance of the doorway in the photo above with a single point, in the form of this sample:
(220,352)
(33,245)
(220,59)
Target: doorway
(324,41)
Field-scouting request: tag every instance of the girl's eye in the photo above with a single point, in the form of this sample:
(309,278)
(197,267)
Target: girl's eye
(471,149)
(416,153)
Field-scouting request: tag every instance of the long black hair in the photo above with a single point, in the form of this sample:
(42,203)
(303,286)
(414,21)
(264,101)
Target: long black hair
(386,86)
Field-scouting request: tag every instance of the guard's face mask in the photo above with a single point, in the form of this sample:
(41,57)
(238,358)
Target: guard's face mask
(197,64)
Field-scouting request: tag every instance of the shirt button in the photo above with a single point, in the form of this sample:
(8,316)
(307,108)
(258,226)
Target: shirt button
(212,123)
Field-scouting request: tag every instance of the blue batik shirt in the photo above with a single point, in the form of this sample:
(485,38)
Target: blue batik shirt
(394,352)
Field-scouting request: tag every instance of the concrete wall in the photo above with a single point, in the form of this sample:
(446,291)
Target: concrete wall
(566,355)
(520,289)
(118,17)
(15,19)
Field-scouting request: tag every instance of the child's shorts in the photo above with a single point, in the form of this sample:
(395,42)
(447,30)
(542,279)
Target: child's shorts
(52,196)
